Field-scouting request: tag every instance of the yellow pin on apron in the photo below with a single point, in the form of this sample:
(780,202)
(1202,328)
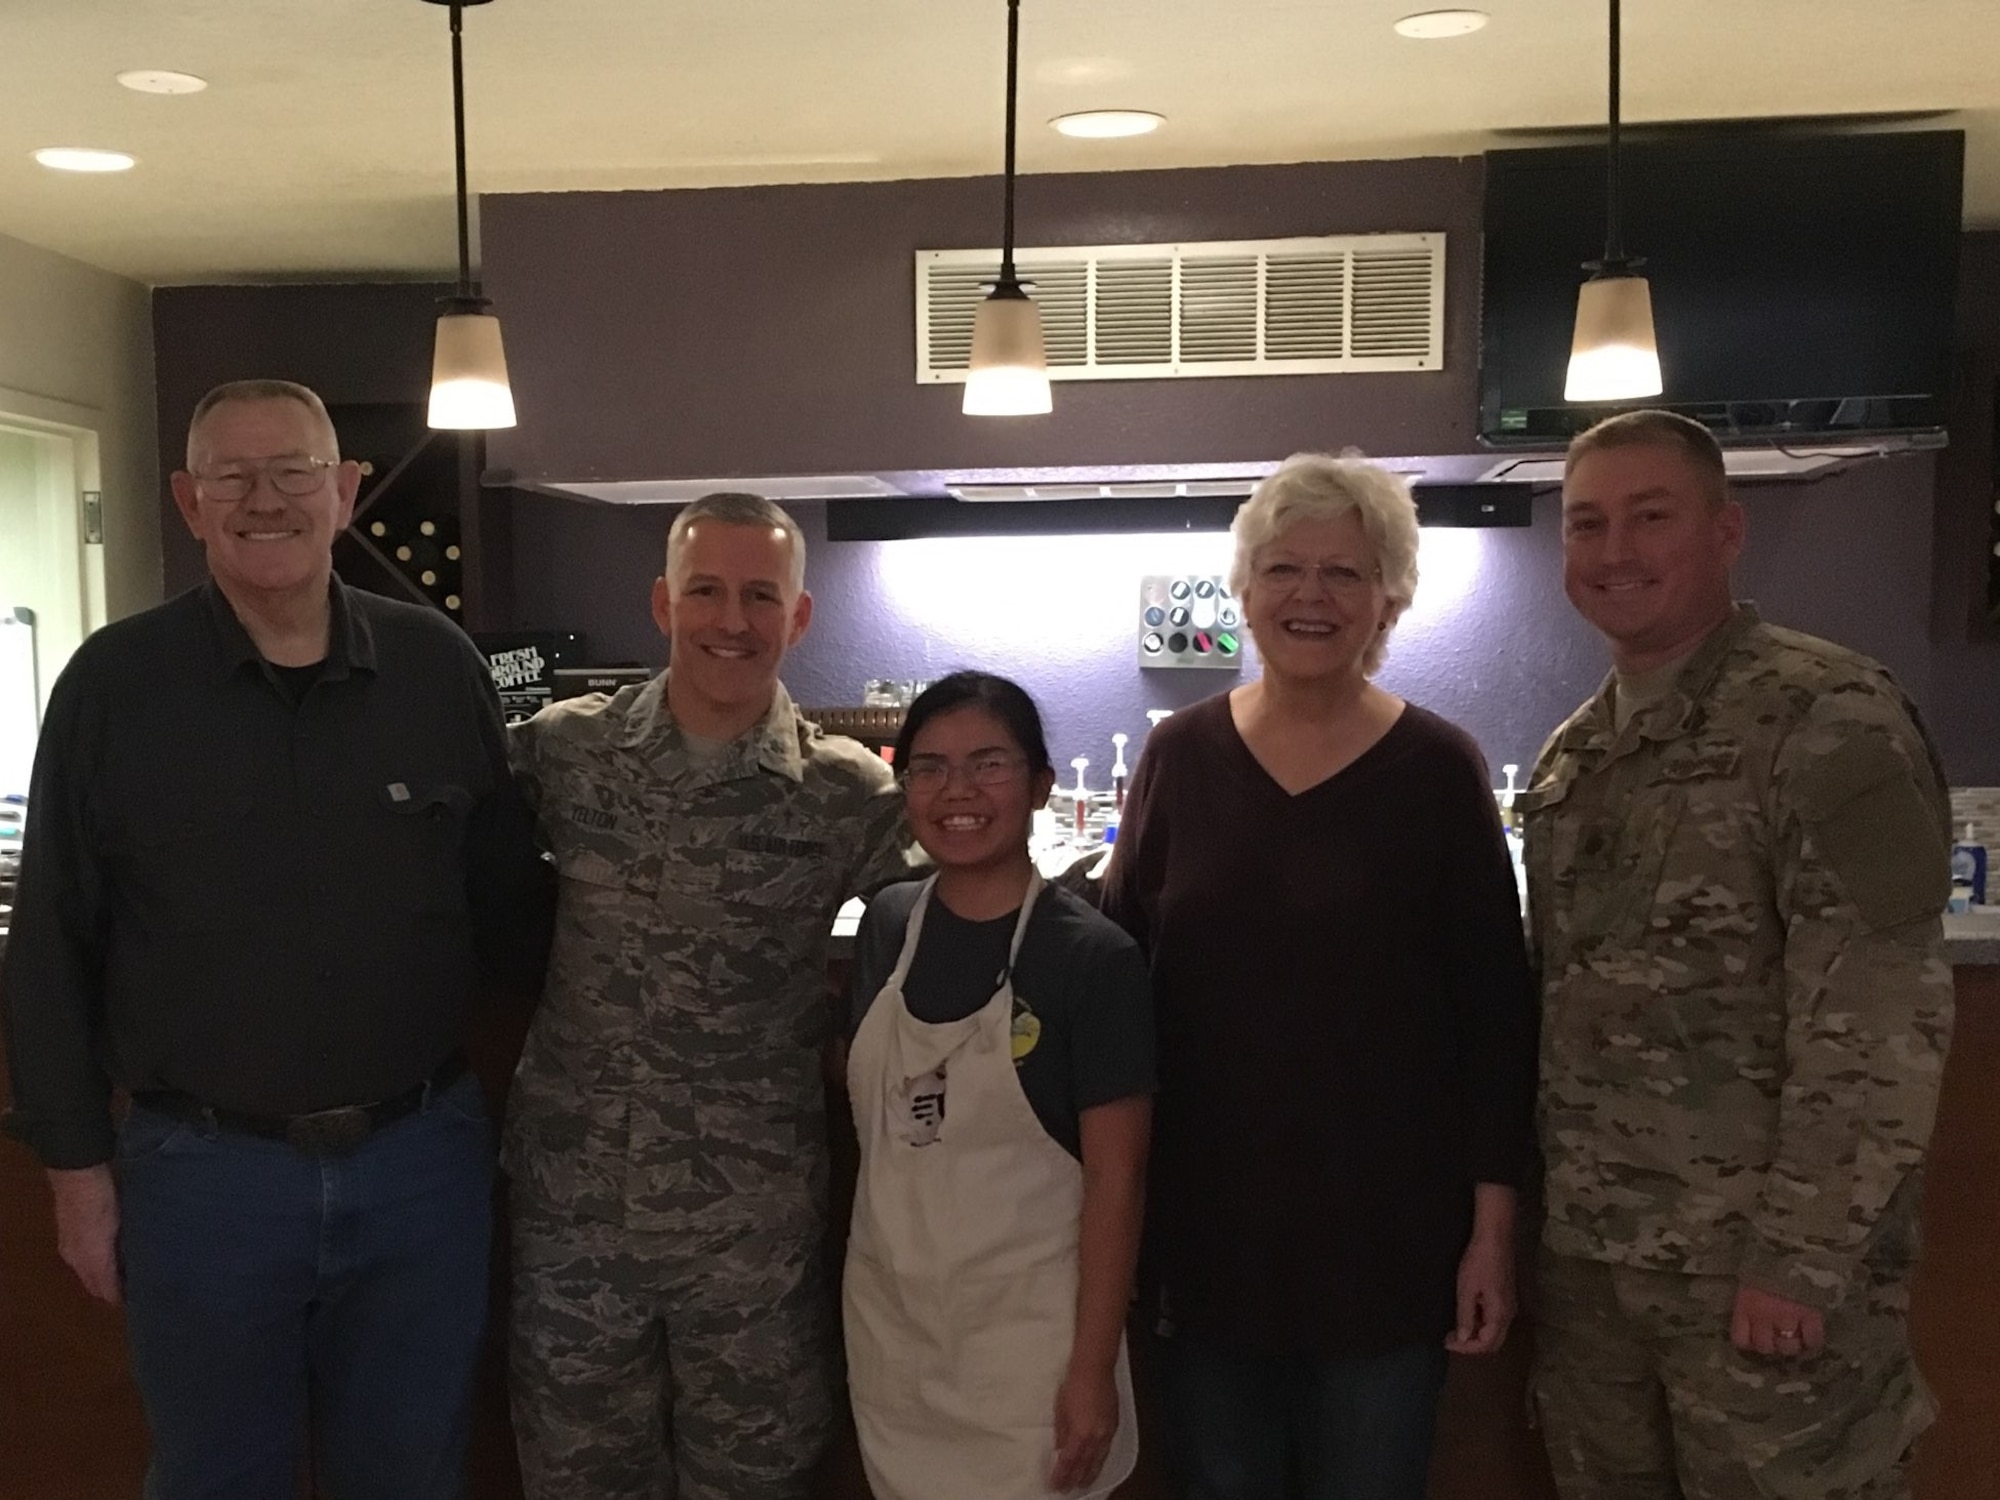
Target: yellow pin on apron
(960,1290)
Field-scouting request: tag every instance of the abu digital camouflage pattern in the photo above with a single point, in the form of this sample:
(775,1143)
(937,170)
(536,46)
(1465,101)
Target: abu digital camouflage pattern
(1746,1006)
(671,1078)
(666,1131)
(736,1325)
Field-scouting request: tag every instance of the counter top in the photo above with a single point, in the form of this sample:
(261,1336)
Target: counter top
(1970,940)
(1974,938)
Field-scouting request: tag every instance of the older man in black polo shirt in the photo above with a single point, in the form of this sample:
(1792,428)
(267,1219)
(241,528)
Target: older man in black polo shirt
(271,834)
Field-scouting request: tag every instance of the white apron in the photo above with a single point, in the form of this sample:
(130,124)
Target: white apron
(960,1292)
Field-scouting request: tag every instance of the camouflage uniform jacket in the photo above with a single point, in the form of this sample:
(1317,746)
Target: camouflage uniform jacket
(671,1078)
(1734,908)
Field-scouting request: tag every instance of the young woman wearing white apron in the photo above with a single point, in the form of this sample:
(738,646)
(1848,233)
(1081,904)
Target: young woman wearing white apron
(961,1290)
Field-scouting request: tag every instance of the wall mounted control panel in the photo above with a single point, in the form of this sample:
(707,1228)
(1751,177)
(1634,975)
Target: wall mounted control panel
(1189,620)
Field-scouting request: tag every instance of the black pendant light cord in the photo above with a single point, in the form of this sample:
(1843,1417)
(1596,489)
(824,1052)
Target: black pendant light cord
(1009,282)
(1615,262)
(458,137)
(1614,234)
(467,298)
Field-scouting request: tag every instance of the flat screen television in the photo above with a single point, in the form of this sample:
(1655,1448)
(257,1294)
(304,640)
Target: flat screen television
(1802,284)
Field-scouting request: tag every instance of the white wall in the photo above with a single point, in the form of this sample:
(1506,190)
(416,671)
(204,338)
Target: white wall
(74,335)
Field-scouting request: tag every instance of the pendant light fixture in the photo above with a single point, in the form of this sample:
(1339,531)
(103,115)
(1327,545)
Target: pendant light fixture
(469,368)
(1009,371)
(1613,355)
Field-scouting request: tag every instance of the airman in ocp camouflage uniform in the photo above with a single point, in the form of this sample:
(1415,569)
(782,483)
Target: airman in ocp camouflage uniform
(1736,861)
(665,1138)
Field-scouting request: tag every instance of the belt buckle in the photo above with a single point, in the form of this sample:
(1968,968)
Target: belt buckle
(329,1132)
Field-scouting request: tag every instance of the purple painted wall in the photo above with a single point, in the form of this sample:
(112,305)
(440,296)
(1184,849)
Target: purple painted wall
(1964,696)
(691,334)
(772,330)
(1884,558)
(1490,643)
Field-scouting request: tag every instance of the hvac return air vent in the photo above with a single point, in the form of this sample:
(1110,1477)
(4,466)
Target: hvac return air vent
(1228,307)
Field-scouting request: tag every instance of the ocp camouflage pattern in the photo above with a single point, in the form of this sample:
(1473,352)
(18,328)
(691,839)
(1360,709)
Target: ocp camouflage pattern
(1734,907)
(1836,1424)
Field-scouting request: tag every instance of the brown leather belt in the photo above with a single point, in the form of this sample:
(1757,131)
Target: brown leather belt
(324,1132)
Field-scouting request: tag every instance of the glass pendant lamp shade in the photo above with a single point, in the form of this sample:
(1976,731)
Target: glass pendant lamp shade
(1613,355)
(469,373)
(1009,371)
(1008,374)
(469,389)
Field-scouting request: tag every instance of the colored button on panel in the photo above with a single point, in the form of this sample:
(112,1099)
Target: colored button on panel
(1227,644)
(1151,643)
(1203,643)
(1180,588)
(1204,614)
(1178,615)
(1155,615)
(1177,643)
(1204,588)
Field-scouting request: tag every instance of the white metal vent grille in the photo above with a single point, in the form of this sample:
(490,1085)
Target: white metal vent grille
(1241,307)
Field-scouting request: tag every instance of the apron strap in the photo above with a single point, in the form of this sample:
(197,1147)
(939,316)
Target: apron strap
(1035,887)
(912,930)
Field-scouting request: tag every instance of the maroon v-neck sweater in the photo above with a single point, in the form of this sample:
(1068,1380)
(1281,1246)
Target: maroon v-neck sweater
(1346,1030)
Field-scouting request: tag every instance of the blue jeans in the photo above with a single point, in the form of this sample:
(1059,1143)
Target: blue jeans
(1244,1426)
(268,1291)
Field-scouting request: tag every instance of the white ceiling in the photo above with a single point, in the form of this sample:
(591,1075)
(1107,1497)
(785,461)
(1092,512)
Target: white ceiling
(323,146)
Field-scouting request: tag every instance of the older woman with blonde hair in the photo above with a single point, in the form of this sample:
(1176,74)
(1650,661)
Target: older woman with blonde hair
(1316,872)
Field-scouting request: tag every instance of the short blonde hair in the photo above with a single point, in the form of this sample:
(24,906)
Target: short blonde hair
(1320,487)
(1653,428)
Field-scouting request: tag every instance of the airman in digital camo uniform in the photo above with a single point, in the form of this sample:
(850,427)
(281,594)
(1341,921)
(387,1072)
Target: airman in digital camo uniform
(1736,861)
(665,1139)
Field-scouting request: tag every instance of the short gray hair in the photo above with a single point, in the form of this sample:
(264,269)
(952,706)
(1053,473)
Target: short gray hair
(1320,487)
(262,390)
(739,508)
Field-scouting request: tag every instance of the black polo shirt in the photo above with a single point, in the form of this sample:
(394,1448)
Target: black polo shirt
(271,895)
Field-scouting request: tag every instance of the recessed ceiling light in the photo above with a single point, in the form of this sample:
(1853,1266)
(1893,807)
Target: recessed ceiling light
(161,81)
(1436,25)
(84,159)
(1106,124)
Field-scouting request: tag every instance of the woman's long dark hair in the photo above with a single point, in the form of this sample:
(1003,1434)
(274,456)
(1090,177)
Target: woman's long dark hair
(1006,701)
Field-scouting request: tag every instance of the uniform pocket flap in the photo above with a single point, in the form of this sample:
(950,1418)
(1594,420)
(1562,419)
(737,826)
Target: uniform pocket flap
(1535,798)
(1829,782)
(1882,838)
(590,867)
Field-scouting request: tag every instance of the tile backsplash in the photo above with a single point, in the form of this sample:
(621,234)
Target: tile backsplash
(1979,806)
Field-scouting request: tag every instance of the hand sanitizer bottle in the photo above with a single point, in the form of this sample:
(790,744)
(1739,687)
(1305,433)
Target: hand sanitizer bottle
(1968,873)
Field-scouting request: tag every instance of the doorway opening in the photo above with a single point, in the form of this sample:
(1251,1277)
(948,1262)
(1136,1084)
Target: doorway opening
(51,562)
